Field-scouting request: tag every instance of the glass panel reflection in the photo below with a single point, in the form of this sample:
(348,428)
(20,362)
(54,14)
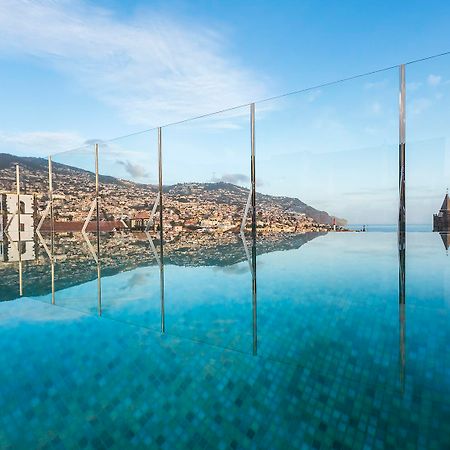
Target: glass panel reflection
(39,269)
(206,190)
(75,229)
(15,229)
(129,226)
(427,182)
(327,178)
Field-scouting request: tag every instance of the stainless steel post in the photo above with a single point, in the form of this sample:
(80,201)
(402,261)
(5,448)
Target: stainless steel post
(52,226)
(253,181)
(19,239)
(402,227)
(97,207)
(161,230)
(402,154)
(402,194)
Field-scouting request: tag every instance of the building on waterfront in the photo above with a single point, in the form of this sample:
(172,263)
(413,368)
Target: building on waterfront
(441,220)
(139,221)
(17,238)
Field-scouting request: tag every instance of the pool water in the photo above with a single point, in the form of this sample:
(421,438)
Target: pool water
(322,355)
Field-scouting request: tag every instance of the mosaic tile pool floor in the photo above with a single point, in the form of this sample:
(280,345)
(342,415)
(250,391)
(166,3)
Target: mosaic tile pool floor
(338,363)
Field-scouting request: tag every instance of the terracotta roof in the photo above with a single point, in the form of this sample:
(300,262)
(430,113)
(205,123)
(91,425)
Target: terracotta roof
(141,215)
(77,226)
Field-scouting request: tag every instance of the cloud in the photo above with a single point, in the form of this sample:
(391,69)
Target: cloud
(419,105)
(94,141)
(434,80)
(375,84)
(133,169)
(152,69)
(235,269)
(39,143)
(413,86)
(136,279)
(233,178)
(376,108)
(313,95)
(369,192)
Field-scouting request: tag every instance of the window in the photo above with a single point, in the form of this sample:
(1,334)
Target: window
(22,207)
(22,227)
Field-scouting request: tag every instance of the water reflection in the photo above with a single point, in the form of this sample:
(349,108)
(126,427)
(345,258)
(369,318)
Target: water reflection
(313,315)
(124,253)
(446,240)
(402,299)
(138,254)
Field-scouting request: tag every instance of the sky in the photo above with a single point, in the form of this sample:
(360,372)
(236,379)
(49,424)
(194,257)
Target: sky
(76,72)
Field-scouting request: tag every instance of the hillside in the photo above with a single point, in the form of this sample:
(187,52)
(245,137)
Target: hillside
(121,197)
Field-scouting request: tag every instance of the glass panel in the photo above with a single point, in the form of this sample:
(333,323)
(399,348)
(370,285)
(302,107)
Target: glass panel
(427,112)
(75,238)
(206,188)
(427,210)
(327,164)
(427,180)
(37,248)
(9,244)
(129,223)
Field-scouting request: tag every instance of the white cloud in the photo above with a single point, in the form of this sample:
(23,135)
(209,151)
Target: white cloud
(375,84)
(38,143)
(434,80)
(376,108)
(154,70)
(313,95)
(419,105)
(413,86)
(133,169)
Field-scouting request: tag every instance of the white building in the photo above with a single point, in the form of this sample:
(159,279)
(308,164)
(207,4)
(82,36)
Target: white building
(10,228)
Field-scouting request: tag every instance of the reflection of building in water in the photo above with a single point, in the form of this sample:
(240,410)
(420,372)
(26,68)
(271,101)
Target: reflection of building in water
(139,221)
(75,226)
(10,227)
(446,240)
(441,220)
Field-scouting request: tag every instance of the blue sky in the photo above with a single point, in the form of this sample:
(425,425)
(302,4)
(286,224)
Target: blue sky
(76,70)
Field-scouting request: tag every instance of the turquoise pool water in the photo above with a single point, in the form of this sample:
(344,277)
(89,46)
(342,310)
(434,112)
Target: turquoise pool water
(323,357)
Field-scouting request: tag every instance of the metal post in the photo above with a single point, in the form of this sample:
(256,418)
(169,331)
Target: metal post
(402,161)
(253,180)
(19,240)
(97,205)
(52,226)
(402,196)
(402,226)
(161,230)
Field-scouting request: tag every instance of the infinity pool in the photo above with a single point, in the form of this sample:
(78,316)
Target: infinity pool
(321,355)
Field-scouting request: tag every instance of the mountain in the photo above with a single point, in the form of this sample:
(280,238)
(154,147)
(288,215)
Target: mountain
(121,197)
(40,167)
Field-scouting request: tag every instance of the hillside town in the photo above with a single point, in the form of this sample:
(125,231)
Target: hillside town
(202,224)
(192,212)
